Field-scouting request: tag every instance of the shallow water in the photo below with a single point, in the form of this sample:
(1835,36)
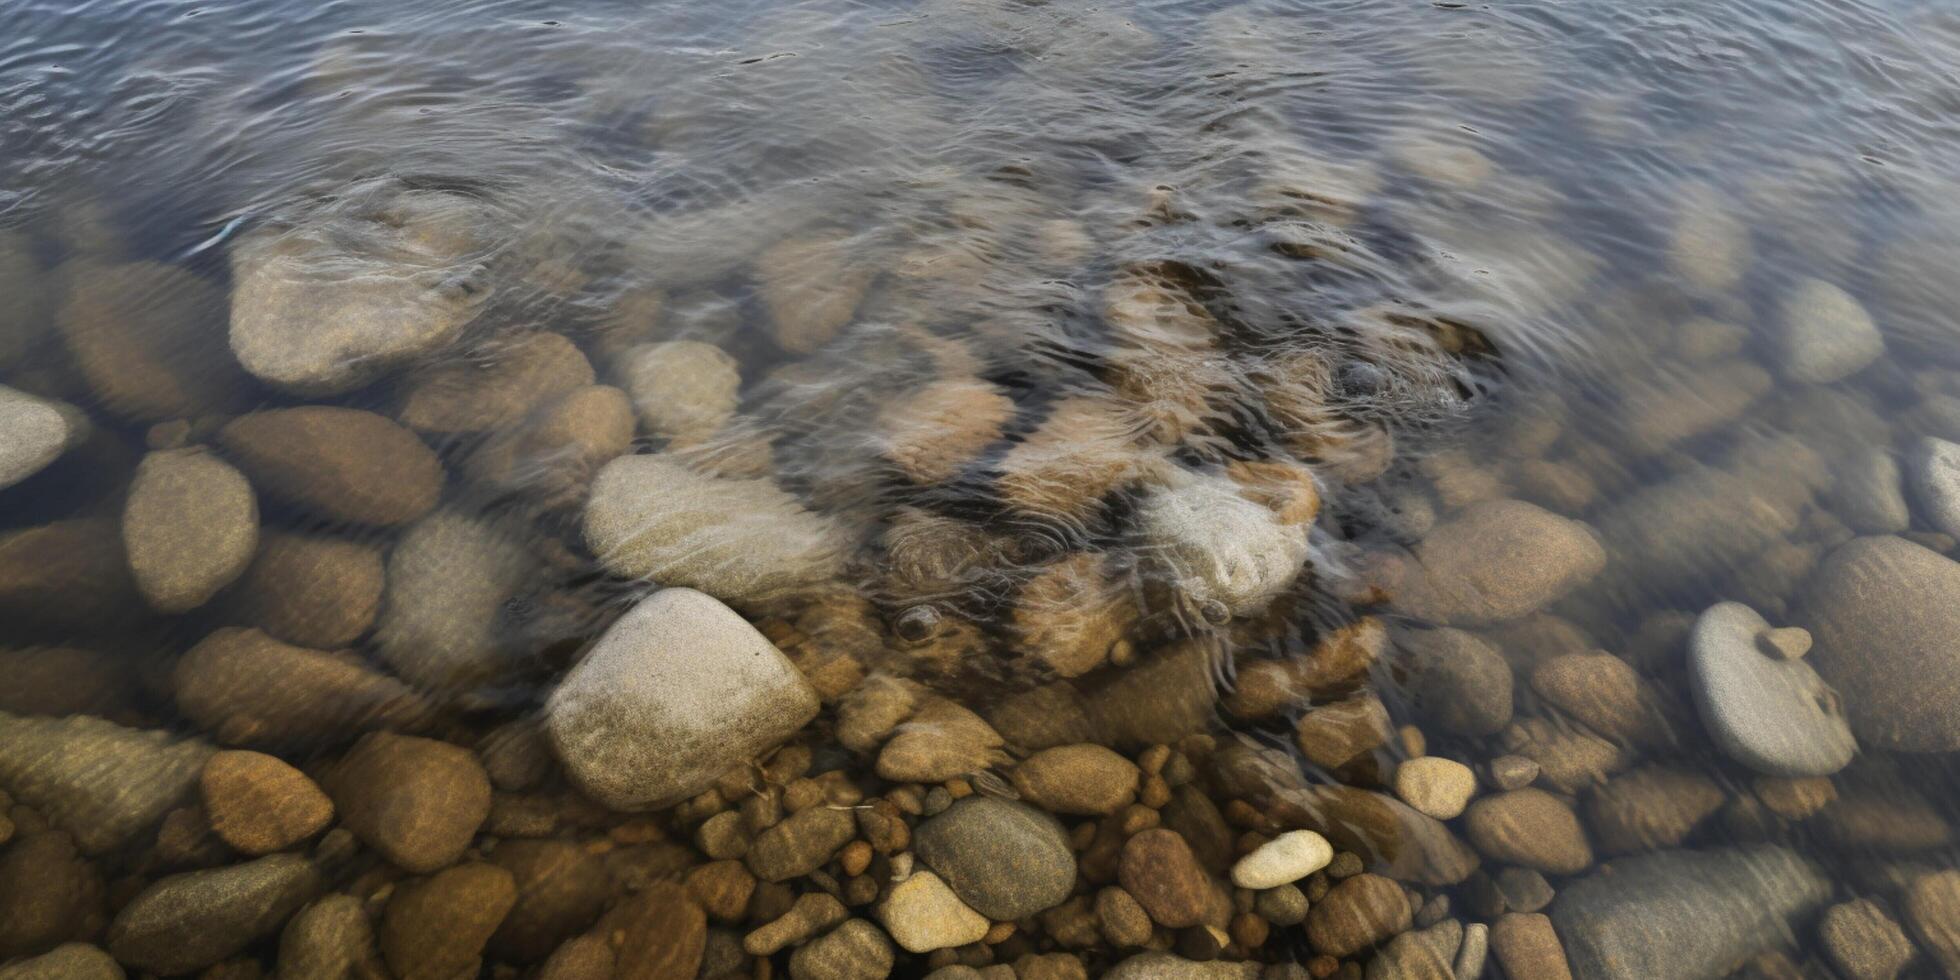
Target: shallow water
(1095,367)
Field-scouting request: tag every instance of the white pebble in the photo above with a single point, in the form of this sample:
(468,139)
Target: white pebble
(1283,860)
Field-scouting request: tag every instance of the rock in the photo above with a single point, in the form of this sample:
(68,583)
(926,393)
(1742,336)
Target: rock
(190,526)
(855,950)
(341,463)
(741,541)
(1403,843)
(1435,786)
(1513,771)
(189,921)
(259,804)
(932,433)
(386,276)
(1653,807)
(1882,809)
(48,894)
(1775,716)
(56,681)
(1283,860)
(35,432)
(1569,759)
(1523,889)
(922,914)
(1931,904)
(143,336)
(250,689)
(1458,683)
(1006,860)
(1164,966)
(1934,468)
(71,573)
(664,933)
(1676,536)
(102,783)
(1709,246)
(722,888)
(811,913)
(310,591)
(583,958)
(1085,449)
(1422,954)
(1869,494)
(450,578)
(561,888)
(1159,870)
(1660,408)
(1529,827)
(802,843)
(435,928)
(1863,941)
(1357,914)
(941,741)
(552,456)
(677,691)
(1160,700)
(494,386)
(1825,334)
(1498,560)
(326,941)
(1216,545)
(1336,665)
(416,800)
(1683,913)
(1344,732)
(683,390)
(811,285)
(1795,799)
(1526,946)
(1605,694)
(70,961)
(1074,615)
(1124,923)
(1881,610)
(1082,779)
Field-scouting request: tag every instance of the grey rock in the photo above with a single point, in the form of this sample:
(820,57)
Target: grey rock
(1934,465)
(1216,545)
(1824,333)
(677,690)
(190,526)
(1684,914)
(1773,715)
(1457,682)
(1498,560)
(188,921)
(1164,966)
(449,579)
(69,961)
(1006,860)
(1883,612)
(35,432)
(741,541)
(97,780)
(1870,494)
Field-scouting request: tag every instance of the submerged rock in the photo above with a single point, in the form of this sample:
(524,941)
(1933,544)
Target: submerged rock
(1006,860)
(415,800)
(1825,333)
(449,580)
(69,961)
(190,526)
(494,386)
(34,432)
(189,921)
(1774,715)
(683,390)
(145,337)
(1457,682)
(340,463)
(99,781)
(1884,612)
(1870,494)
(311,591)
(1217,545)
(1500,560)
(1934,465)
(250,689)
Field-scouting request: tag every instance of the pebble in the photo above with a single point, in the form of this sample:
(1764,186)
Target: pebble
(492,387)
(1825,334)
(1863,941)
(1474,953)
(141,335)
(435,928)
(1082,779)
(561,887)
(674,693)
(1420,954)
(922,914)
(856,950)
(1529,827)
(69,573)
(1342,733)
(1006,860)
(1458,683)
(309,590)
(1683,913)
(723,889)
(1882,610)
(1356,914)
(48,893)
(1869,495)
(34,432)
(69,961)
(258,804)
(416,800)
(1795,799)
(658,933)
(1435,786)
(190,526)
(1934,468)
(1285,859)
(247,688)
(552,456)
(1158,869)
(683,390)
(343,464)
(450,578)
(1527,946)
(800,844)
(1605,694)
(1932,908)
(1164,966)
(1123,921)
(1774,715)
(102,783)
(1709,246)
(1523,889)
(186,922)
(1512,772)
(1499,560)
(941,741)
(1569,759)
(739,540)
(1262,688)
(1217,545)
(326,940)
(1649,808)
(813,912)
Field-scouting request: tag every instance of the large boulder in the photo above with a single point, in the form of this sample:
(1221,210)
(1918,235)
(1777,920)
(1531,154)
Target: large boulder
(1884,613)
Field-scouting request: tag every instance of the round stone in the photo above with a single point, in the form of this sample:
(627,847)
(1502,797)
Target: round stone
(1826,334)
(1006,860)
(1435,786)
(190,526)
(1934,467)
(1284,859)
(1774,715)
(1883,612)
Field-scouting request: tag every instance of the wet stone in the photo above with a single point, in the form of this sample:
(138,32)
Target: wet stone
(492,386)
(189,921)
(560,888)
(1356,914)
(310,591)
(1880,610)
(1863,941)
(416,800)
(69,961)
(1934,468)
(141,335)
(922,915)
(49,893)
(1529,827)
(101,782)
(435,928)
(341,463)
(802,843)
(1285,859)
(190,527)
(664,934)
(250,689)
(326,940)
(1649,808)
(1435,786)
(683,390)
(34,432)
(450,577)
(1422,954)
(1459,684)
(258,804)
(1080,779)
(856,950)
(1870,493)
(1774,715)
(1006,860)
(1527,946)
(1159,870)
(1499,560)
(1826,334)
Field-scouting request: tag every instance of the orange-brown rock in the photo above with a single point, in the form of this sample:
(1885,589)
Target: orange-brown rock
(258,804)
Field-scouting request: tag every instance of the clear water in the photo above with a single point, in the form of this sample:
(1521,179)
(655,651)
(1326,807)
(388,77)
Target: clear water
(1538,250)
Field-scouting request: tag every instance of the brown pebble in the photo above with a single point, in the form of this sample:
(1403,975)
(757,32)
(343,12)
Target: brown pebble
(1336,734)
(560,889)
(661,934)
(1526,946)
(1785,642)
(1155,793)
(1122,920)
(1082,779)
(416,800)
(722,889)
(579,958)
(341,463)
(1795,798)
(1651,807)
(1529,827)
(1864,941)
(1357,914)
(855,857)
(1249,930)
(310,591)
(250,689)
(883,825)
(259,804)
(802,843)
(1508,772)
(48,893)
(436,928)
(1158,869)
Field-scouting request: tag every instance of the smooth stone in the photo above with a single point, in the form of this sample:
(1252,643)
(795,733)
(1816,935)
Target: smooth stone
(659,933)
(69,961)
(258,804)
(1164,966)
(561,888)
(189,921)
(435,928)
(856,950)
(1931,904)
(1159,870)
(1934,467)
(1085,779)
(1473,953)
(1825,333)
(1709,246)
(682,390)
(1499,560)
(1006,860)
(552,456)
(49,893)
(741,541)
(35,432)
(1655,806)
(1217,545)
(1607,695)
(450,578)
(941,741)
(1863,941)
(1775,716)
(310,591)
(1457,682)
(1527,946)
(326,941)
(341,463)
(1420,954)
(1435,786)
(1529,827)
(922,914)
(801,843)
(1357,913)
(70,573)
(102,783)
(417,801)
(673,694)
(1684,913)
(1283,860)
(141,335)
(190,526)
(811,285)
(1883,612)
(1869,495)
(496,385)
(247,688)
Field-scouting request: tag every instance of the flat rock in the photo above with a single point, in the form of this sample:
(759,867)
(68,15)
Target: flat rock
(1082,779)
(1684,913)
(190,526)
(143,336)
(1218,545)
(341,463)
(258,804)
(803,842)
(1498,560)
(188,921)
(1773,715)
(35,432)
(69,961)
(435,928)
(309,590)
(450,578)
(247,688)
(1285,859)
(1869,495)
(496,384)
(922,914)
(1934,468)
(1006,860)
(677,691)
(416,800)
(1883,612)
(1825,334)
(99,781)
(741,541)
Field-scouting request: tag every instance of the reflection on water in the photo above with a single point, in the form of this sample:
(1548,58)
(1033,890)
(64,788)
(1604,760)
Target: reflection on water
(1358,490)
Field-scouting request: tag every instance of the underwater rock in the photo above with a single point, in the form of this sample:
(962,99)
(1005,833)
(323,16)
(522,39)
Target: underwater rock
(450,578)
(1499,560)
(1826,333)
(493,386)
(190,526)
(247,688)
(145,337)
(1883,611)
(340,463)
(1006,860)
(1774,715)
(35,432)
(310,591)
(1217,546)
(417,801)
(683,390)
(99,781)
(189,921)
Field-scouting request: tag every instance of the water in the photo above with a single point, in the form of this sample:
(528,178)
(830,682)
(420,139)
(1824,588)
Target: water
(1063,337)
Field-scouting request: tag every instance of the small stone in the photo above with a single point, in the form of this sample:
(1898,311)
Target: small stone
(1933,466)
(1771,713)
(722,889)
(1863,941)
(1524,889)
(435,928)
(1510,772)
(1424,954)
(48,893)
(1527,946)
(1870,492)
(1499,560)
(1082,779)
(1284,859)
(1529,827)
(1473,953)
(932,433)
(811,285)
(34,432)
(1458,683)
(922,915)
(69,573)
(1795,798)
(258,804)
(341,463)
(1569,759)
(1339,734)
(326,940)
(659,933)
(856,950)
(1932,908)
(1006,860)
(1356,914)
(1784,642)
(416,800)
(1604,693)
(1879,608)
(1709,246)
(1283,906)
(450,577)
(1825,334)
(812,913)
(1650,808)
(310,591)
(69,961)
(188,921)
(1159,870)
(494,386)
(676,692)
(583,958)
(802,843)
(102,783)
(140,335)
(1164,966)
(560,889)
(552,456)
(683,390)
(1123,921)
(940,742)
(250,689)
(1435,786)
